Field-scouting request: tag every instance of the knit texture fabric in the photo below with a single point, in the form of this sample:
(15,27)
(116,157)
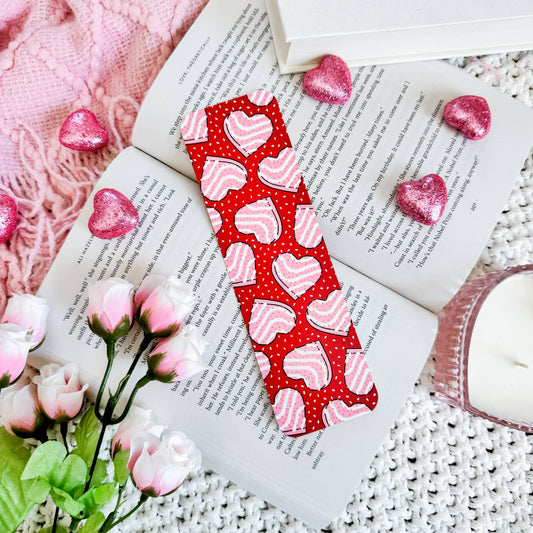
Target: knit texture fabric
(439,469)
(57,56)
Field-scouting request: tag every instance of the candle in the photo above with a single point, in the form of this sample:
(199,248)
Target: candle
(484,348)
(500,357)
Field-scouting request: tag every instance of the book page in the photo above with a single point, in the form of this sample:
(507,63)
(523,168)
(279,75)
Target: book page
(354,156)
(226,409)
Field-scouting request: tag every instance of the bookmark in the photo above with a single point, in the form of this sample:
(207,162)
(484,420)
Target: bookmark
(306,346)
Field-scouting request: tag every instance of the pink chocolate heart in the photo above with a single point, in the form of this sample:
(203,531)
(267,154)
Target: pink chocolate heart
(330,82)
(470,115)
(81,132)
(423,200)
(114,215)
(8,217)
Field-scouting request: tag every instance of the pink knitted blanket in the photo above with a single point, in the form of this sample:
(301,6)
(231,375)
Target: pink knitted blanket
(57,56)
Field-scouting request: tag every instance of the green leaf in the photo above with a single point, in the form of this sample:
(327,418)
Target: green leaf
(15,503)
(100,473)
(86,435)
(71,473)
(49,529)
(66,502)
(94,499)
(93,523)
(39,490)
(120,461)
(44,460)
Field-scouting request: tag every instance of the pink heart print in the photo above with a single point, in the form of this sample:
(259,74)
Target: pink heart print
(246,133)
(300,329)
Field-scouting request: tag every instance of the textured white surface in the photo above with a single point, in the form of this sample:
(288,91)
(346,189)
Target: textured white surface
(439,469)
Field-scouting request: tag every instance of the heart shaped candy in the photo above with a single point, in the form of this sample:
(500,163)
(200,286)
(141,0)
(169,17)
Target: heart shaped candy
(423,200)
(81,131)
(330,82)
(8,217)
(470,115)
(114,215)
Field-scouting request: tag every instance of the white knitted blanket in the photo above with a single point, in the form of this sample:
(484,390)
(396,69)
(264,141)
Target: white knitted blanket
(438,469)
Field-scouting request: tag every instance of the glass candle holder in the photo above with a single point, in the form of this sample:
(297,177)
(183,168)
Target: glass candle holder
(484,348)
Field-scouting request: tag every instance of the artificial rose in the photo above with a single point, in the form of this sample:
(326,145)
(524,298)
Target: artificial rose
(15,343)
(20,411)
(159,466)
(59,391)
(110,308)
(29,312)
(162,304)
(138,421)
(178,357)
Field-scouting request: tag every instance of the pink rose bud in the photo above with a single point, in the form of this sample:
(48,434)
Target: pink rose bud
(162,304)
(59,391)
(110,308)
(178,357)
(138,421)
(159,467)
(29,312)
(20,412)
(15,343)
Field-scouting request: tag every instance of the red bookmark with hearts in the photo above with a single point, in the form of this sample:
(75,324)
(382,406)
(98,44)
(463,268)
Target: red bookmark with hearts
(303,337)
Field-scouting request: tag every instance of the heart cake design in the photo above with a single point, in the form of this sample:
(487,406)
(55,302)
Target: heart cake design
(330,82)
(281,172)
(194,127)
(264,364)
(216,219)
(8,217)
(289,409)
(306,229)
(469,114)
(261,219)
(240,263)
(220,176)
(81,132)
(268,319)
(356,372)
(330,315)
(423,200)
(246,133)
(310,363)
(296,276)
(260,98)
(337,411)
(114,215)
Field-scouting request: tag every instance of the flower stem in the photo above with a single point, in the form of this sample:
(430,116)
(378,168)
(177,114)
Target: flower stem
(142,499)
(56,516)
(64,430)
(110,358)
(138,386)
(147,339)
(107,417)
(113,514)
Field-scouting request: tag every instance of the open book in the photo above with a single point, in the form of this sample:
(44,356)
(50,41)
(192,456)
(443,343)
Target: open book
(395,273)
(388,31)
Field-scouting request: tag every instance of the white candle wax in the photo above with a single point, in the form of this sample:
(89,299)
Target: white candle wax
(501,344)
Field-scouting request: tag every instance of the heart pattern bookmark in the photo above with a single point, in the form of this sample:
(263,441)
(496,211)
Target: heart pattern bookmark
(304,340)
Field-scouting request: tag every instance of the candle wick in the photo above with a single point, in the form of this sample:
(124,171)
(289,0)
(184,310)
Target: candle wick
(522,364)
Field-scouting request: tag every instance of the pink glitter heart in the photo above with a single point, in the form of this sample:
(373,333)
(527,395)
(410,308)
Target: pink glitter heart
(81,132)
(8,217)
(470,115)
(423,200)
(330,82)
(114,215)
